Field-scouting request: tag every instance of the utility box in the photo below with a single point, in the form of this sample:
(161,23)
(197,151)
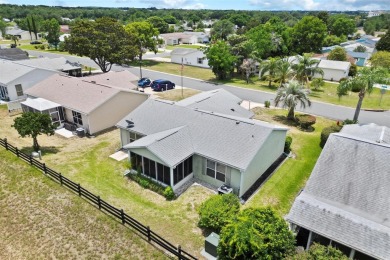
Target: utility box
(80,132)
(211,244)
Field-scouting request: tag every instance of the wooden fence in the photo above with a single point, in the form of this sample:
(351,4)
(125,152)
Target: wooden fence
(145,231)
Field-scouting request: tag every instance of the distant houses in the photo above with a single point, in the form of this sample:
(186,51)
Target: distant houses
(346,201)
(22,34)
(184,38)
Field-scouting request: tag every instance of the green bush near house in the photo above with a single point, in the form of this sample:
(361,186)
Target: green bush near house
(287,144)
(218,211)
(168,193)
(267,104)
(327,131)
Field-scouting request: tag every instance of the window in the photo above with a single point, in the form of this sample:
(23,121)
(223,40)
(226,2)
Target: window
(200,60)
(77,118)
(19,90)
(216,170)
(133,137)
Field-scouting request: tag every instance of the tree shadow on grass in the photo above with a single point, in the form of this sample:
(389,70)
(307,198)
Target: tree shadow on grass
(46,150)
(284,120)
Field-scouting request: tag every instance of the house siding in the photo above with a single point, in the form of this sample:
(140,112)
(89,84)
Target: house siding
(191,59)
(125,137)
(333,75)
(109,113)
(264,158)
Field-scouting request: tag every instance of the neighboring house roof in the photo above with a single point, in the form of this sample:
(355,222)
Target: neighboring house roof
(10,71)
(120,79)
(183,51)
(15,31)
(347,197)
(40,104)
(181,35)
(59,64)
(219,100)
(355,54)
(335,65)
(74,93)
(13,54)
(231,140)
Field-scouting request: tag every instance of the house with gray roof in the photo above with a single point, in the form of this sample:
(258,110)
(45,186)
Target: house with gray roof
(13,54)
(84,103)
(333,70)
(200,138)
(192,57)
(60,64)
(22,34)
(360,57)
(346,201)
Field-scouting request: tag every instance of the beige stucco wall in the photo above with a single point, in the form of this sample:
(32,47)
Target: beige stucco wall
(264,158)
(113,110)
(84,118)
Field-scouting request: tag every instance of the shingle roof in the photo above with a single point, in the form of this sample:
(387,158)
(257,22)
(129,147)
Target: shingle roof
(228,139)
(219,100)
(74,93)
(371,132)
(347,196)
(183,51)
(333,64)
(11,71)
(13,54)
(355,54)
(122,79)
(59,64)
(15,32)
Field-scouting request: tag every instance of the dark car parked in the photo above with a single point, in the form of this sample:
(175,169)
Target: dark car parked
(35,42)
(162,85)
(144,82)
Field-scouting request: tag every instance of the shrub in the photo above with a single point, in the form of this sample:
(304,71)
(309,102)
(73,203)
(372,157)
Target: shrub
(349,122)
(267,104)
(42,47)
(317,83)
(305,121)
(61,46)
(327,131)
(256,234)
(168,193)
(148,183)
(144,183)
(317,251)
(287,144)
(217,211)
(36,47)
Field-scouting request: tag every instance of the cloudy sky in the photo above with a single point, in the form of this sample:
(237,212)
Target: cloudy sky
(222,4)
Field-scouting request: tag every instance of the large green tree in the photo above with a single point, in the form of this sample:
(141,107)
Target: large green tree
(105,41)
(34,124)
(290,95)
(308,35)
(256,233)
(220,59)
(380,59)
(3,26)
(145,37)
(363,82)
(241,47)
(52,27)
(159,24)
(222,29)
(319,252)
(342,26)
(338,54)
(384,42)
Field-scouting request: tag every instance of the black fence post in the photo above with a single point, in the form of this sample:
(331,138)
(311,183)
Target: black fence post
(79,189)
(99,202)
(30,159)
(61,179)
(6,144)
(123,217)
(148,233)
(17,151)
(179,252)
(44,168)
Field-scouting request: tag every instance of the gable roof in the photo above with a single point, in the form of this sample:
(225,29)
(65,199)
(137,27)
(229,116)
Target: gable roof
(183,51)
(355,54)
(347,197)
(15,31)
(59,64)
(218,136)
(120,79)
(335,65)
(40,104)
(11,71)
(75,93)
(13,54)
(218,100)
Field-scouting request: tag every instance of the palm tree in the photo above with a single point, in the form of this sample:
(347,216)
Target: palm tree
(283,71)
(268,69)
(306,68)
(290,94)
(364,82)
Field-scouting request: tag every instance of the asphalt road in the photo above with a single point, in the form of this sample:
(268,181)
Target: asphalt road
(317,108)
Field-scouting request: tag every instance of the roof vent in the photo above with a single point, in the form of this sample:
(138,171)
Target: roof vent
(232,109)
(237,122)
(94,82)
(130,124)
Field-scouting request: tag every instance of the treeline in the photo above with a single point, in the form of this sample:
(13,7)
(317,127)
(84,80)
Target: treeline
(377,23)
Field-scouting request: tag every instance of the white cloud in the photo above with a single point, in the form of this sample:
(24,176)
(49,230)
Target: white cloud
(341,5)
(184,4)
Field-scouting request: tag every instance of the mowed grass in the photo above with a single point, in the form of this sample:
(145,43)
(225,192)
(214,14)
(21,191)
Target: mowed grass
(31,47)
(188,46)
(280,190)
(42,220)
(86,161)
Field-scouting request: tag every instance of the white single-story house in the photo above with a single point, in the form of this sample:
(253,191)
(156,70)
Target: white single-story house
(15,79)
(333,70)
(205,138)
(22,34)
(84,102)
(63,36)
(184,38)
(60,64)
(191,57)
(346,201)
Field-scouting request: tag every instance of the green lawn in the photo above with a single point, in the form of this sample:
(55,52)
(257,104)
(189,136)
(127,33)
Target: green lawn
(31,47)
(284,185)
(42,220)
(189,46)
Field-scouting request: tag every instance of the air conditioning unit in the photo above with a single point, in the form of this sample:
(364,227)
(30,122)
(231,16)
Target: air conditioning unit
(224,189)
